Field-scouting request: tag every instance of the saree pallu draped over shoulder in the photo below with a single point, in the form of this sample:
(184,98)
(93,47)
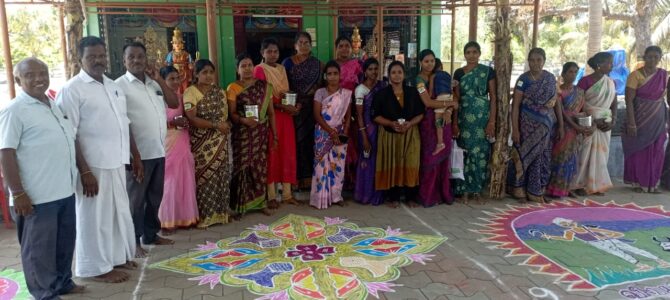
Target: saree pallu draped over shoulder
(328,176)
(593,176)
(529,169)
(644,153)
(213,159)
(281,159)
(250,148)
(435,172)
(303,79)
(364,191)
(564,163)
(473,115)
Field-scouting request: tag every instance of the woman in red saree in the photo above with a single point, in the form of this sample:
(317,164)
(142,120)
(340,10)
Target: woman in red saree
(282,161)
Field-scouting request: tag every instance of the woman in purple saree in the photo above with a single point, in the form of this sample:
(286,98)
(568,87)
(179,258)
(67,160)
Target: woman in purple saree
(646,132)
(434,175)
(364,191)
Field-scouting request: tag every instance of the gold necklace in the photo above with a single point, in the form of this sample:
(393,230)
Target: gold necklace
(398,95)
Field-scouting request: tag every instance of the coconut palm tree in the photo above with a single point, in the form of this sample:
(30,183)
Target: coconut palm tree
(594,42)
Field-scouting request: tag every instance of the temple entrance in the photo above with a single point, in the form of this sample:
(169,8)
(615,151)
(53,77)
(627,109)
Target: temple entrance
(250,31)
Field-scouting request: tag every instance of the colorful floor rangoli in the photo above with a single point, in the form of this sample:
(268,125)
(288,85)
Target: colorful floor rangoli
(299,257)
(13,285)
(588,245)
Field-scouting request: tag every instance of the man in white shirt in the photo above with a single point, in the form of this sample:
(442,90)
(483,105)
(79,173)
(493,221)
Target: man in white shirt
(37,158)
(96,106)
(146,96)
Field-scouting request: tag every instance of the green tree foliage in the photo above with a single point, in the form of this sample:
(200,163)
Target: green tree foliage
(33,31)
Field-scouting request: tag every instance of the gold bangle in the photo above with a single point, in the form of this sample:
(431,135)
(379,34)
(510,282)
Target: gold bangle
(87,172)
(19,195)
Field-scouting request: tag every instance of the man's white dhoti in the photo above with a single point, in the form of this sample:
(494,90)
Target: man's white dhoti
(105,233)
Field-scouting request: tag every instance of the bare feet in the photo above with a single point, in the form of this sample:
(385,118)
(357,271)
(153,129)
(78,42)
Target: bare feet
(273,204)
(638,189)
(163,241)
(140,252)
(113,276)
(168,231)
(412,204)
(393,204)
(268,212)
(291,201)
(599,194)
(654,191)
(77,289)
(439,148)
(463,199)
(341,203)
(479,199)
(129,265)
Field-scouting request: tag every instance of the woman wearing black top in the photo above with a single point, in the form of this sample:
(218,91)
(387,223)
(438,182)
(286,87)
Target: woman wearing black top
(398,109)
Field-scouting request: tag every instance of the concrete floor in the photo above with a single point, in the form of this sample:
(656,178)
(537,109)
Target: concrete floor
(463,267)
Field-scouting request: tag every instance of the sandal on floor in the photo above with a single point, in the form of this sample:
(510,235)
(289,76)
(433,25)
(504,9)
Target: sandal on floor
(654,191)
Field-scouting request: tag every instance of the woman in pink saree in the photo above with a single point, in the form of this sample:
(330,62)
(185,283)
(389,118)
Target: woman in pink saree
(351,71)
(332,110)
(179,207)
(645,135)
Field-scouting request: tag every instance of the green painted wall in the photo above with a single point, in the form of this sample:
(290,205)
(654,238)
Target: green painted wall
(91,27)
(201,31)
(430,35)
(227,48)
(322,26)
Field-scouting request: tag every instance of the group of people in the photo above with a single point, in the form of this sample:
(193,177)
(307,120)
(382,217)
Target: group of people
(561,133)
(121,160)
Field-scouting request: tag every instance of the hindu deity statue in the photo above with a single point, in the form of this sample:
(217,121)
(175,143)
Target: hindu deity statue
(371,44)
(356,41)
(180,59)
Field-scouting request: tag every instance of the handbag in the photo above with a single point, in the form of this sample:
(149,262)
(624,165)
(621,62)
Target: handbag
(457,163)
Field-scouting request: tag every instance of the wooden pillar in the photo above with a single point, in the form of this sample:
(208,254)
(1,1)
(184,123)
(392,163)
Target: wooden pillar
(6,50)
(380,41)
(474,9)
(453,35)
(503,68)
(63,44)
(212,41)
(536,21)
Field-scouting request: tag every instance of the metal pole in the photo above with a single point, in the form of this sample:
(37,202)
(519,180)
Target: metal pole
(453,35)
(473,20)
(536,21)
(6,50)
(211,35)
(63,44)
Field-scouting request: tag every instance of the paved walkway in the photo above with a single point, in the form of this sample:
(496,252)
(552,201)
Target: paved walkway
(463,267)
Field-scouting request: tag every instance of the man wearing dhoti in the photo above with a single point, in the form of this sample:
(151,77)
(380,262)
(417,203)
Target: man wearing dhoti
(96,106)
